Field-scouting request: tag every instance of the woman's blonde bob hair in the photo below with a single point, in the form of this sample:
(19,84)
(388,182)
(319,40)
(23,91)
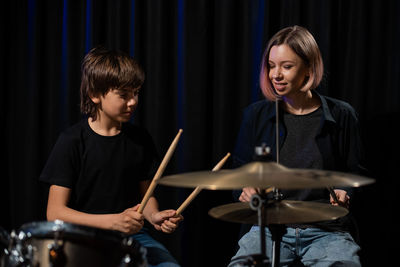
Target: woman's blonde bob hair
(301,41)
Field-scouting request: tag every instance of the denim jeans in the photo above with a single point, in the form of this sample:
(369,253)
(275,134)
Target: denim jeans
(157,255)
(312,246)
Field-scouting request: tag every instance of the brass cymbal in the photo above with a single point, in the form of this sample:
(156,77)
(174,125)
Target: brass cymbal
(264,175)
(279,212)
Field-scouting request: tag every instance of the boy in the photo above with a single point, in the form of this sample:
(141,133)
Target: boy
(103,165)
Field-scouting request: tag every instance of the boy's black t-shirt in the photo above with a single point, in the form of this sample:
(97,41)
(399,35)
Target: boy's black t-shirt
(103,172)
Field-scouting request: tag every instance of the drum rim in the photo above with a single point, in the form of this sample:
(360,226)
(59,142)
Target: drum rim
(49,228)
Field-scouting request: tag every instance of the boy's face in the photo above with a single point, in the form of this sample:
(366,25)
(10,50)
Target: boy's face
(117,105)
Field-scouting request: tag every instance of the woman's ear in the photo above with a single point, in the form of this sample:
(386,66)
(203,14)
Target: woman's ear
(309,73)
(308,82)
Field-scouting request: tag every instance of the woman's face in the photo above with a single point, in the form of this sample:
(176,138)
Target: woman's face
(287,71)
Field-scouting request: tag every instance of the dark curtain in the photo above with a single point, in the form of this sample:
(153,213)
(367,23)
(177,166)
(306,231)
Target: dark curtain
(202,60)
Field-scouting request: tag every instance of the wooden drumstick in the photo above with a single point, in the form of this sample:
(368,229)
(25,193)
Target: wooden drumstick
(197,190)
(159,172)
(333,195)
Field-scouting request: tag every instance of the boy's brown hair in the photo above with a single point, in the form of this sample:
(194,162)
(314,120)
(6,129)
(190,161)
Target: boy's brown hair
(104,70)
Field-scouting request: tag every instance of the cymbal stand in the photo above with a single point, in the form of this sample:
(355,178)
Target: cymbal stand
(258,202)
(277,232)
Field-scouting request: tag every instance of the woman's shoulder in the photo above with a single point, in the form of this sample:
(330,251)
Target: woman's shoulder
(260,106)
(338,105)
(338,109)
(338,102)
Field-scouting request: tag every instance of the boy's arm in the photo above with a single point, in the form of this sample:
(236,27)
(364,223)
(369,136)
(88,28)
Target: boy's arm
(151,205)
(128,221)
(165,220)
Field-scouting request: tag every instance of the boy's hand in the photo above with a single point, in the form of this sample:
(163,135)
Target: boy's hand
(166,221)
(130,221)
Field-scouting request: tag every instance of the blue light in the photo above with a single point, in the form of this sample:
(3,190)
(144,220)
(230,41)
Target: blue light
(257,37)
(180,82)
(88,29)
(64,63)
(31,23)
(132,29)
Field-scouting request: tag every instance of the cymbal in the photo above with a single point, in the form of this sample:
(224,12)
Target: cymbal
(263,175)
(279,212)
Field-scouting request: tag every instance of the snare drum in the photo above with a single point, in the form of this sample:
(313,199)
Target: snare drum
(54,244)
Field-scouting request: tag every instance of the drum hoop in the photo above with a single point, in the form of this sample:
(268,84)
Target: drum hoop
(45,229)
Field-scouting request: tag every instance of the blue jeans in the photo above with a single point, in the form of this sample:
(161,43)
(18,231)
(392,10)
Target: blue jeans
(313,246)
(157,255)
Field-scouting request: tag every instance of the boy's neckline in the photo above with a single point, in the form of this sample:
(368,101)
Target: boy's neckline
(97,128)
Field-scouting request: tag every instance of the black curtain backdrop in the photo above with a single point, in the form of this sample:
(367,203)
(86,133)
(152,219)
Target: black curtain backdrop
(202,60)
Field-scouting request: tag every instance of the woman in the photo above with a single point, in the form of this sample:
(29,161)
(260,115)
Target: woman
(315,132)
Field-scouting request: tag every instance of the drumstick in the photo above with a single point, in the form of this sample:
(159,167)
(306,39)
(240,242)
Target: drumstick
(197,190)
(159,172)
(333,194)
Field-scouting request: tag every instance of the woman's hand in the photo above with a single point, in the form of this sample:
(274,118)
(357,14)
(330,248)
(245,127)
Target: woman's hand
(246,194)
(342,197)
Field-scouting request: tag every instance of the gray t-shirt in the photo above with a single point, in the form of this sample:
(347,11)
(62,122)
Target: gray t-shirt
(300,150)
